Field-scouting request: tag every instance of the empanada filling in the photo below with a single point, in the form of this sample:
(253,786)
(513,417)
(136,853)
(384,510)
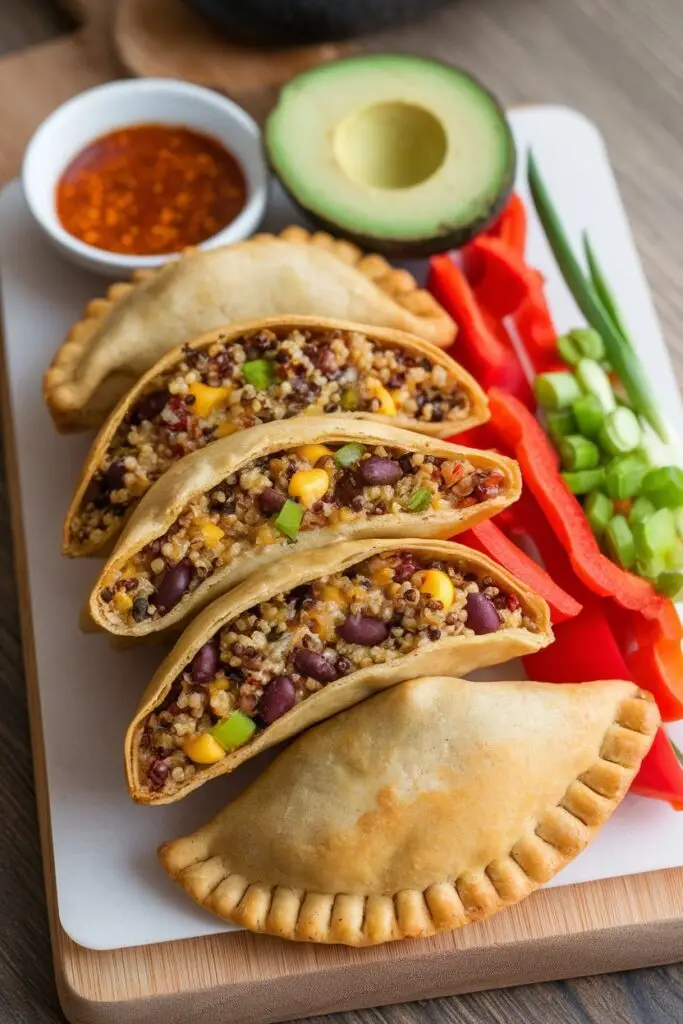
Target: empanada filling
(258,378)
(278,653)
(273,500)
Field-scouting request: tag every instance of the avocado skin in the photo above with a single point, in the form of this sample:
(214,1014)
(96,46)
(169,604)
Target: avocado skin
(418,248)
(296,22)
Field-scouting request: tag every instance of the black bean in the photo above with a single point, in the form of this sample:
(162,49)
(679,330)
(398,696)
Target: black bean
(347,487)
(172,585)
(157,773)
(149,406)
(113,478)
(317,666)
(363,630)
(205,663)
(300,594)
(377,470)
(406,463)
(107,595)
(482,616)
(271,501)
(278,698)
(140,609)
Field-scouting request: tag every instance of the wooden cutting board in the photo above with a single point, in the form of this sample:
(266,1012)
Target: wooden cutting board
(558,933)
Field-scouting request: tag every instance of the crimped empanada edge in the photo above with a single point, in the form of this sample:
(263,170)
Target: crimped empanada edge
(399,284)
(479,408)
(365,920)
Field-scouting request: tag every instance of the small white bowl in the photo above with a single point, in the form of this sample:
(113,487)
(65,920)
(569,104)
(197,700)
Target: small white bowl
(98,111)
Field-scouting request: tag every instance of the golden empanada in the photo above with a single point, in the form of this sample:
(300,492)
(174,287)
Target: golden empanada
(262,372)
(422,809)
(312,635)
(246,501)
(127,332)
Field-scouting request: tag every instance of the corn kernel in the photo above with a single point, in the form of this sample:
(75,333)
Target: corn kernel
(265,535)
(439,587)
(387,406)
(313,452)
(225,429)
(202,748)
(309,485)
(211,533)
(332,593)
(123,602)
(207,399)
(218,685)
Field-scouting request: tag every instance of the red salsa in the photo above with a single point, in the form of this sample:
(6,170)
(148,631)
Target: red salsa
(150,189)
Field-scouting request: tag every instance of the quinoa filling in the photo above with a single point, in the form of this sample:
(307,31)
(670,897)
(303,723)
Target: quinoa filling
(274,499)
(258,378)
(276,654)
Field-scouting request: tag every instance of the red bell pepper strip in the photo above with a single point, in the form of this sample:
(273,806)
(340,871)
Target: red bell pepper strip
(535,325)
(500,278)
(486,537)
(511,225)
(661,774)
(538,462)
(584,650)
(476,347)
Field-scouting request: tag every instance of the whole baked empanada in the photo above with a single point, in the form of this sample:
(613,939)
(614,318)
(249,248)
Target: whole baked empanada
(423,809)
(242,503)
(127,332)
(312,635)
(263,371)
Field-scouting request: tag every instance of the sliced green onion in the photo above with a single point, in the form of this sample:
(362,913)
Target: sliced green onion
(585,480)
(620,433)
(567,349)
(589,415)
(349,454)
(664,486)
(670,584)
(621,356)
(656,536)
(619,543)
(595,381)
(599,510)
(419,500)
(603,292)
(589,343)
(624,476)
(577,452)
(350,399)
(560,422)
(641,509)
(234,730)
(288,519)
(260,373)
(556,390)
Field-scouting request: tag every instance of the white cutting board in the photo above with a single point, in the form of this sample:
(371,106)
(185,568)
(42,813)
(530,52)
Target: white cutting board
(111,892)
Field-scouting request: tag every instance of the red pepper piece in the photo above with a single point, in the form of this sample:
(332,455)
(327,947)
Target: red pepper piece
(476,347)
(481,437)
(486,537)
(535,326)
(500,278)
(538,462)
(511,225)
(584,650)
(661,774)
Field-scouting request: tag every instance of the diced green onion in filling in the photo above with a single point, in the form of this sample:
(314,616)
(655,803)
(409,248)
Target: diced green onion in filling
(288,520)
(234,730)
(419,500)
(349,454)
(260,373)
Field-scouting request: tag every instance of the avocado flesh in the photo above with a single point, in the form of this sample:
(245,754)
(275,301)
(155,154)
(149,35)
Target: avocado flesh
(399,153)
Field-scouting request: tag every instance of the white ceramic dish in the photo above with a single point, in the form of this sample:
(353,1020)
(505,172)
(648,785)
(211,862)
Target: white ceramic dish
(138,101)
(110,889)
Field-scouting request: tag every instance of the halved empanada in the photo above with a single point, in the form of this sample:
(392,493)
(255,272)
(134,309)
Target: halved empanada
(261,372)
(313,635)
(423,809)
(127,332)
(242,503)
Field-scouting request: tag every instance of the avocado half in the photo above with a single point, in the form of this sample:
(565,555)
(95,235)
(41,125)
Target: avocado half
(402,154)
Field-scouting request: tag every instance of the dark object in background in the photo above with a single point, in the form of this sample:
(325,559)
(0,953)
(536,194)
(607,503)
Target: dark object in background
(295,22)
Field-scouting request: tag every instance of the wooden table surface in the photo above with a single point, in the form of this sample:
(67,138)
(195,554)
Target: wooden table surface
(620,61)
